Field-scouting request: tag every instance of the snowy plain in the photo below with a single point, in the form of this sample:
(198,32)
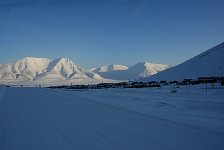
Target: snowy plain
(112,119)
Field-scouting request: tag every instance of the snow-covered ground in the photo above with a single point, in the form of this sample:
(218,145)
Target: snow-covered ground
(112,119)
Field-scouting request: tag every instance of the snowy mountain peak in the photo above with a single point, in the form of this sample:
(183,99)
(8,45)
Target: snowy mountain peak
(33,60)
(29,67)
(63,69)
(64,60)
(117,67)
(121,72)
(62,63)
(114,67)
(146,69)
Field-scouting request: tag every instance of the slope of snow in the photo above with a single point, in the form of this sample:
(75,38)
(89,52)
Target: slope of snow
(26,68)
(116,119)
(206,64)
(110,68)
(6,72)
(31,67)
(146,69)
(94,75)
(135,72)
(61,68)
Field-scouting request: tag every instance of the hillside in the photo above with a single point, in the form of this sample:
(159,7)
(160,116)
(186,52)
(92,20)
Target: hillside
(110,68)
(207,64)
(139,70)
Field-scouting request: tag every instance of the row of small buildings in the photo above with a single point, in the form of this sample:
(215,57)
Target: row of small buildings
(151,84)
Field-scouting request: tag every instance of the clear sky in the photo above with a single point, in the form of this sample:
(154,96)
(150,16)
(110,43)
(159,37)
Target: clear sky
(102,32)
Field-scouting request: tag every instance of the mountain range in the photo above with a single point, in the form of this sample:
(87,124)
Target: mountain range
(64,71)
(135,72)
(44,69)
(39,70)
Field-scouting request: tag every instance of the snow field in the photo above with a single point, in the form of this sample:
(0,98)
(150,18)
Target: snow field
(133,119)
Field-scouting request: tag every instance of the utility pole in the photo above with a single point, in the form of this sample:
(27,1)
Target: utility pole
(206,87)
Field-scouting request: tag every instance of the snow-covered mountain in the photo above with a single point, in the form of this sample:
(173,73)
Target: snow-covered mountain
(26,68)
(207,64)
(36,69)
(110,68)
(139,70)
(63,69)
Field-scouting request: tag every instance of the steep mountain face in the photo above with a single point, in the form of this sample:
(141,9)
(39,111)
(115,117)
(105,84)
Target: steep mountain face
(45,69)
(24,69)
(135,72)
(61,68)
(207,64)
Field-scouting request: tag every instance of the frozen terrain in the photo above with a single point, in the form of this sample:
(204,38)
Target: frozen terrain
(45,70)
(207,64)
(131,119)
(110,68)
(32,71)
(139,70)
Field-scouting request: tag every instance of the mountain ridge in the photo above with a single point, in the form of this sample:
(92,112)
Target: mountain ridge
(32,68)
(113,67)
(63,69)
(139,70)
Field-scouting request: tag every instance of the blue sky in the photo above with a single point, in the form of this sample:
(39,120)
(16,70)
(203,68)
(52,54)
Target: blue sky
(100,32)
